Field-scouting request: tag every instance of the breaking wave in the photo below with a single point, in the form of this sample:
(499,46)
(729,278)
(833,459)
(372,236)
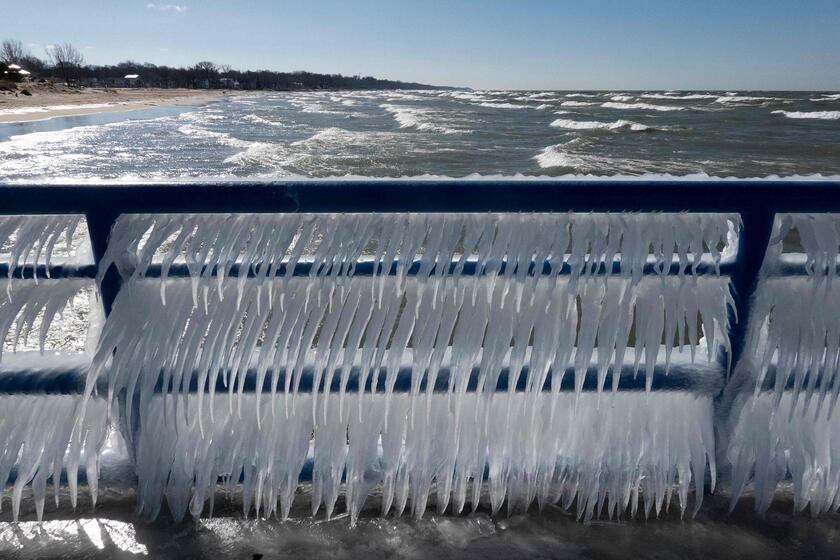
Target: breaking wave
(494,105)
(745,99)
(676,97)
(643,106)
(822,115)
(261,120)
(593,125)
(414,117)
(577,103)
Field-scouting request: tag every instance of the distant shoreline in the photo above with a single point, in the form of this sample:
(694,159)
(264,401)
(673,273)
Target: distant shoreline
(46,104)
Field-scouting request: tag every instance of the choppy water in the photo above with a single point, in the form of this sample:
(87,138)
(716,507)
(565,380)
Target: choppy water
(393,134)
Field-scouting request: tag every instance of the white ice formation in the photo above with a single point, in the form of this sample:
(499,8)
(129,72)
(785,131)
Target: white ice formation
(785,421)
(35,240)
(280,302)
(634,455)
(38,438)
(374,349)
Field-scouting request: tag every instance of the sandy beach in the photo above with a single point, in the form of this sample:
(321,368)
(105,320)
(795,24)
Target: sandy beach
(46,102)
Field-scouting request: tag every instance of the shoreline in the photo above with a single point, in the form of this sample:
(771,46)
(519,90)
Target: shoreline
(43,106)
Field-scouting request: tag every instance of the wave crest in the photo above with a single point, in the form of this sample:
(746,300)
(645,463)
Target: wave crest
(822,115)
(642,106)
(594,125)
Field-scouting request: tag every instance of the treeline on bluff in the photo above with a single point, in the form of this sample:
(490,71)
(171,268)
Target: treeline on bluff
(66,63)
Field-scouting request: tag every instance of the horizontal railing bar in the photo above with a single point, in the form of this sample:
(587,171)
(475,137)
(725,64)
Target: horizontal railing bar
(531,195)
(181,270)
(54,271)
(368,268)
(699,377)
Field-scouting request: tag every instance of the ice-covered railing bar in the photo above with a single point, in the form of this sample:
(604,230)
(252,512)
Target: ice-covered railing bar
(267,245)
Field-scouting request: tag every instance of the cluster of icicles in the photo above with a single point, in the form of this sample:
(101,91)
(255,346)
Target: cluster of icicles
(39,435)
(278,303)
(786,424)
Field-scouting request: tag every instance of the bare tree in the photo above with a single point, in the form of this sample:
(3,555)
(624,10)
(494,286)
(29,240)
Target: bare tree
(12,51)
(67,60)
(207,70)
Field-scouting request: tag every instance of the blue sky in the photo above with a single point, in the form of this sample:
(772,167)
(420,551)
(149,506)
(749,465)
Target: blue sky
(525,44)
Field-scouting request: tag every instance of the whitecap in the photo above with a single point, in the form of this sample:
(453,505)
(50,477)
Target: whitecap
(417,118)
(580,95)
(261,120)
(822,115)
(577,103)
(503,105)
(642,106)
(676,97)
(594,125)
(556,156)
(827,97)
(621,98)
(745,99)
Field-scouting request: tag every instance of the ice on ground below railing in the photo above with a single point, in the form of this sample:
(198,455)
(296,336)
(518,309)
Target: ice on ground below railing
(632,456)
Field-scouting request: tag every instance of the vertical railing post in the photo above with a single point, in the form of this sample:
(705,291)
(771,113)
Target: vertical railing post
(99,225)
(756,231)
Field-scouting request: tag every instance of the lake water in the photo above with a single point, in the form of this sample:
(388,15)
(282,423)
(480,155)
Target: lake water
(442,133)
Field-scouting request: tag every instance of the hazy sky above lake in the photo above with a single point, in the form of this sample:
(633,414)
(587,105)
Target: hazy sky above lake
(525,44)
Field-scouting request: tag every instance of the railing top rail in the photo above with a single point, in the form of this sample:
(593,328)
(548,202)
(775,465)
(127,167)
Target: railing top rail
(383,195)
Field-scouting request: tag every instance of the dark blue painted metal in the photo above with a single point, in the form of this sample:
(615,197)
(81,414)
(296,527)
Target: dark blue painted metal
(426,196)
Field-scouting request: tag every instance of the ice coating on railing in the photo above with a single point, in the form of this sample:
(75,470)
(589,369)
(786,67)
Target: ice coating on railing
(35,240)
(626,458)
(30,309)
(794,327)
(42,437)
(795,341)
(270,244)
(278,303)
(773,440)
(784,421)
(819,237)
(328,328)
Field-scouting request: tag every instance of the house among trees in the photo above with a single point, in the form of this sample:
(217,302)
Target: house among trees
(132,80)
(15,73)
